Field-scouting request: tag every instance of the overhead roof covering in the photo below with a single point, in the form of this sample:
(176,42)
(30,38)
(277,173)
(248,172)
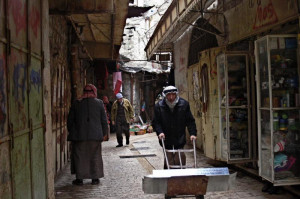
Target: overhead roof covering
(99,24)
(179,16)
(151,67)
(135,11)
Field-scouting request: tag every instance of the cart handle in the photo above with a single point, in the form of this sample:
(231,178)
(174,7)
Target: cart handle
(179,150)
(165,153)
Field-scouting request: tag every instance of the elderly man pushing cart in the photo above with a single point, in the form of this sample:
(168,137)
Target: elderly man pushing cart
(171,117)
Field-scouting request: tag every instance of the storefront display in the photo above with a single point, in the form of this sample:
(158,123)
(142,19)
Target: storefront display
(278,109)
(234,106)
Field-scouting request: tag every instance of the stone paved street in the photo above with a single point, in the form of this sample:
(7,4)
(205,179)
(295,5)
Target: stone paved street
(123,176)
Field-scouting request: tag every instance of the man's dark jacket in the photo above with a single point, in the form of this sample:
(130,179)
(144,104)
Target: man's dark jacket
(87,120)
(173,124)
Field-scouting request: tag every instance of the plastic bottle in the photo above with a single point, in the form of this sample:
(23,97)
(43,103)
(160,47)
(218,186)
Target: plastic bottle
(287,99)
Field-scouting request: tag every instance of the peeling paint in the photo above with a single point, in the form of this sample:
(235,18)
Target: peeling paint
(17,8)
(35,79)
(35,19)
(5,178)
(19,78)
(2,96)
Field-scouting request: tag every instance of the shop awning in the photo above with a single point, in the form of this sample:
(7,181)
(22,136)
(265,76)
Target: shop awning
(135,11)
(147,66)
(99,24)
(179,16)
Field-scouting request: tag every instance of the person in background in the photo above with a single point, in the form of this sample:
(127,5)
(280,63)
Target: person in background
(121,116)
(107,106)
(87,124)
(172,115)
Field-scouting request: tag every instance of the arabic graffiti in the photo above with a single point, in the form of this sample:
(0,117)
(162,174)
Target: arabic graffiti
(265,15)
(35,79)
(17,8)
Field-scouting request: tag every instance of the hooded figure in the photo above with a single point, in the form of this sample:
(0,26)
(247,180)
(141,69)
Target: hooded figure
(87,124)
(172,115)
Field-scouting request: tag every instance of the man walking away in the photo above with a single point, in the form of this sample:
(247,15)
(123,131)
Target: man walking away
(87,124)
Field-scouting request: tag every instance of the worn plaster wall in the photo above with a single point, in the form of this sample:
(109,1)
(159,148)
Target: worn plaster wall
(210,119)
(193,84)
(181,50)
(207,121)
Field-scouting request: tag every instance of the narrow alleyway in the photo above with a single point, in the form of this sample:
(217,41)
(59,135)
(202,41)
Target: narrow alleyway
(123,176)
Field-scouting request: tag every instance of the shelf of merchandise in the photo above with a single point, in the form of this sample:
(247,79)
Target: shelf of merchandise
(278,109)
(234,114)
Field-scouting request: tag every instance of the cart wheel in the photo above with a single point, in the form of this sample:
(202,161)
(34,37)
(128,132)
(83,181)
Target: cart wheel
(200,197)
(167,197)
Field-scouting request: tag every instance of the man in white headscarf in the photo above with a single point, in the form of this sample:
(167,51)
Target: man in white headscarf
(122,115)
(171,117)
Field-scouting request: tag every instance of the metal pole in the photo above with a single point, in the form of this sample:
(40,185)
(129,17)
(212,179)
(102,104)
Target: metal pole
(165,154)
(179,156)
(195,157)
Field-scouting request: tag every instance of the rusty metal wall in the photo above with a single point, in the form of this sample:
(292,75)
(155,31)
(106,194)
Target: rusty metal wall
(22,123)
(60,89)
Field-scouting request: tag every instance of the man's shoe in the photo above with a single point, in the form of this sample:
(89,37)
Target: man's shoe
(95,181)
(127,142)
(77,182)
(119,145)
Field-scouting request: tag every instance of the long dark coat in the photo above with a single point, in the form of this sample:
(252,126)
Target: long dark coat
(173,124)
(87,120)
(87,124)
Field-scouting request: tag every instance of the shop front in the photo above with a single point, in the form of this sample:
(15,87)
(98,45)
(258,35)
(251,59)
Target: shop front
(246,92)
(278,108)
(274,37)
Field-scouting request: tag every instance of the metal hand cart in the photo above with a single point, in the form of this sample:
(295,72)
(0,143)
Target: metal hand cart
(185,186)
(183,181)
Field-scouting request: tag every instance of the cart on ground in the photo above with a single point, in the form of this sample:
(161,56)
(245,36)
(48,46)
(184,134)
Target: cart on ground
(185,180)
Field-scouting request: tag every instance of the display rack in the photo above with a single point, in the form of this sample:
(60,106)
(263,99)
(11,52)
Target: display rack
(278,109)
(234,114)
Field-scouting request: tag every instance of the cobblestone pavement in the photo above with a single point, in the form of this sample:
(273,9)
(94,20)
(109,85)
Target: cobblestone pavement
(123,176)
